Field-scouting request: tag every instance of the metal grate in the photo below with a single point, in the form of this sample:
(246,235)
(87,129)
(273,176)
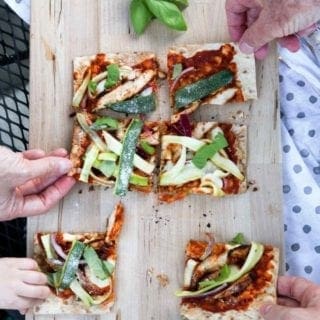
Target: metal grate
(14,119)
(14,75)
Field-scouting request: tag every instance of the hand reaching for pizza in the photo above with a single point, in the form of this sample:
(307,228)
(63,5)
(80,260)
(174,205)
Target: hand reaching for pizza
(299,300)
(32,182)
(21,285)
(254,23)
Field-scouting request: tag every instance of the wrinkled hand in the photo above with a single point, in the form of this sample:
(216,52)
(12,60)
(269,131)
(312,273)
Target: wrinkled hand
(21,285)
(299,300)
(254,23)
(32,182)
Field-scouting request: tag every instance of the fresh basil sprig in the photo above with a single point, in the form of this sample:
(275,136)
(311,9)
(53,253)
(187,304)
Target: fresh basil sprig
(168,12)
(140,15)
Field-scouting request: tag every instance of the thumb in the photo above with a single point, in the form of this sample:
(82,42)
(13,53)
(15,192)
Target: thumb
(49,166)
(276,312)
(256,36)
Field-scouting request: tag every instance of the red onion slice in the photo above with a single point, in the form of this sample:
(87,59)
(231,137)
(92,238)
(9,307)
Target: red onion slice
(183,126)
(57,248)
(211,242)
(211,292)
(179,77)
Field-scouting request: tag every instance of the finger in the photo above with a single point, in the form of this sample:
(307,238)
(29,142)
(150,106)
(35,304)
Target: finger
(22,263)
(287,302)
(36,154)
(61,152)
(276,312)
(292,43)
(32,291)
(33,154)
(23,311)
(300,289)
(307,31)
(33,277)
(257,35)
(237,12)
(262,53)
(24,304)
(40,203)
(48,166)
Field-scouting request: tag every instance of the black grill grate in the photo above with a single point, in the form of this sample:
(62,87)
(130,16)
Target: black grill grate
(14,103)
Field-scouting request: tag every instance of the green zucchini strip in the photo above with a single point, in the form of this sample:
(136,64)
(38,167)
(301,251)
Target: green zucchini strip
(127,157)
(136,105)
(202,88)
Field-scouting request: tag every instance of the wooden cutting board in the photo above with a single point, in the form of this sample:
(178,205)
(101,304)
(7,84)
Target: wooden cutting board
(154,236)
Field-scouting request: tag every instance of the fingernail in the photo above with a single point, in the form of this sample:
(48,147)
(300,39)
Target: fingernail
(265,309)
(245,48)
(64,165)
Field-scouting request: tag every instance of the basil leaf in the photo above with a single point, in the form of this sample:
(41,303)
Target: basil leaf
(113,75)
(209,150)
(167,13)
(177,69)
(181,4)
(238,239)
(140,16)
(92,87)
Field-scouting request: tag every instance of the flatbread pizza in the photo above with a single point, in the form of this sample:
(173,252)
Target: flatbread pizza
(80,268)
(122,82)
(209,74)
(110,152)
(225,281)
(202,158)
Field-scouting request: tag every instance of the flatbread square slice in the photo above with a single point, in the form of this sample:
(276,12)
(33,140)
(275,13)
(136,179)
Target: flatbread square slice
(122,82)
(209,74)
(222,173)
(237,298)
(70,262)
(108,133)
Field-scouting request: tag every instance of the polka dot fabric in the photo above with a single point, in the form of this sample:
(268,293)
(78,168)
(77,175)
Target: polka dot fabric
(300,110)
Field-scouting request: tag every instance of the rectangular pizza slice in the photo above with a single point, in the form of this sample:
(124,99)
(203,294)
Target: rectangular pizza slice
(228,280)
(106,151)
(80,268)
(209,74)
(122,82)
(202,158)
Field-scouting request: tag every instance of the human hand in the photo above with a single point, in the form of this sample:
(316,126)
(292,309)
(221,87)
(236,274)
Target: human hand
(32,182)
(254,23)
(299,299)
(21,285)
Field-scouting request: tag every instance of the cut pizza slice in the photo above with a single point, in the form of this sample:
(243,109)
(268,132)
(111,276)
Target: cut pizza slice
(122,82)
(209,74)
(80,268)
(228,280)
(110,152)
(202,158)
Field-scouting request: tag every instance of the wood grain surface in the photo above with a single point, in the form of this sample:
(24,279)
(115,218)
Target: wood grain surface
(154,236)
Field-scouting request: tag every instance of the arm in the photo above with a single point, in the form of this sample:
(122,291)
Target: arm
(254,23)
(32,182)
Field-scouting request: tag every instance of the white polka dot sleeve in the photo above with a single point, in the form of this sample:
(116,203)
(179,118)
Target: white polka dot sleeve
(300,114)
